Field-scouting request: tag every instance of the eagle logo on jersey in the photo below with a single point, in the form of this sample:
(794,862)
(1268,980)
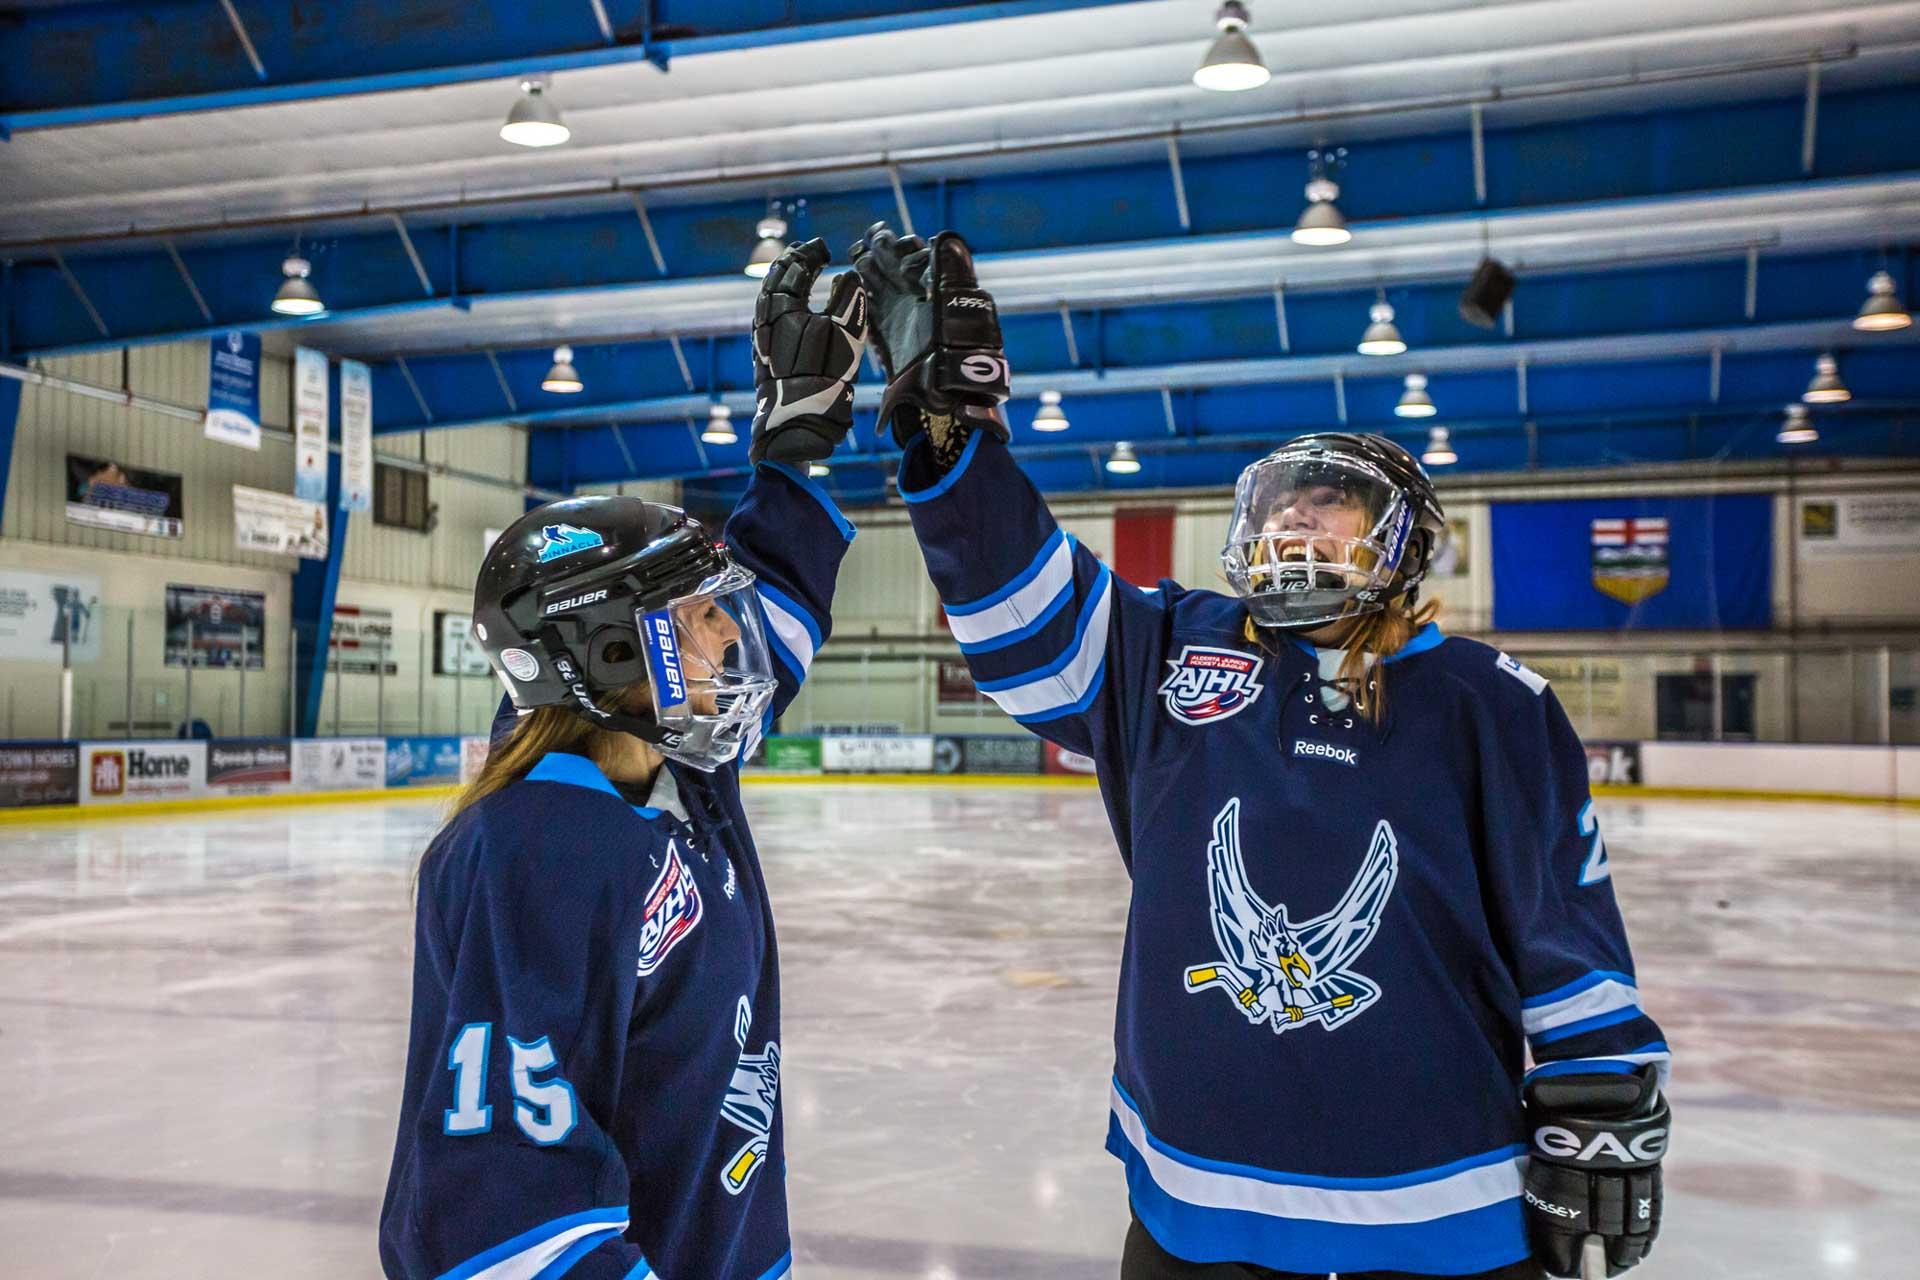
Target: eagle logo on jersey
(1207,685)
(672,909)
(1283,973)
(752,1102)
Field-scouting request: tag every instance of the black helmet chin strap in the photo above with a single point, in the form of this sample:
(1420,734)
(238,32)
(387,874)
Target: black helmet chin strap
(587,709)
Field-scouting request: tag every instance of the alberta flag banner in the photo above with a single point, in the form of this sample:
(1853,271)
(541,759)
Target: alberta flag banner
(1612,564)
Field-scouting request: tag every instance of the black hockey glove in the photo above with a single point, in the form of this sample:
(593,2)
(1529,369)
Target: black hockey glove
(1596,1144)
(938,336)
(804,364)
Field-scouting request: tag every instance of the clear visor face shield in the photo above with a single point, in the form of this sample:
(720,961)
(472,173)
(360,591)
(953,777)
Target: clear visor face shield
(1315,538)
(709,668)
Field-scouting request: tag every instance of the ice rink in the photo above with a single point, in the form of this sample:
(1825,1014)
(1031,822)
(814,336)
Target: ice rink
(203,1023)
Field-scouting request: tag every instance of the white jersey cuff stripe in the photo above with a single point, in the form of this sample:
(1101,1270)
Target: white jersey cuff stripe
(793,634)
(1031,592)
(1067,684)
(1462,1191)
(1604,996)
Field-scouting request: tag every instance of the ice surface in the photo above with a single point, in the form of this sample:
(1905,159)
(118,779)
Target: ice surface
(202,1024)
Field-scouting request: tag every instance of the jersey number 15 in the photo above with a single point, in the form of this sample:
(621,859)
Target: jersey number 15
(545,1110)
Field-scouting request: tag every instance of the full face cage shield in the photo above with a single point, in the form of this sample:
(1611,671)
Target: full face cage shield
(710,670)
(1316,536)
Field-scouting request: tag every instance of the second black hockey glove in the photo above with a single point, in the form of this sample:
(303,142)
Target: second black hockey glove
(938,336)
(804,364)
(1594,1170)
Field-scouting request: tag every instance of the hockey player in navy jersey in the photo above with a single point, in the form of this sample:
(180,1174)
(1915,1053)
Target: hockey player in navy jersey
(1368,878)
(593,1072)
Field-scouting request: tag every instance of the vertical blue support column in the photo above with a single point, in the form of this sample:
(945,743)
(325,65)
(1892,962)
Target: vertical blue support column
(315,584)
(9,416)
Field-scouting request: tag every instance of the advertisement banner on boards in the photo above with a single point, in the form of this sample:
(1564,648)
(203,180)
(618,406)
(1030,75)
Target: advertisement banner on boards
(278,523)
(455,651)
(44,615)
(122,772)
(249,766)
(1856,523)
(473,757)
(37,773)
(339,764)
(794,754)
(233,389)
(362,641)
(356,436)
(310,397)
(891,754)
(214,627)
(1613,764)
(1060,760)
(1013,754)
(423,761)
(105,494)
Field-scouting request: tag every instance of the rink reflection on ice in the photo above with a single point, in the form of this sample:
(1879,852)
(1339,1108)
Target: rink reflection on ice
(203,1021)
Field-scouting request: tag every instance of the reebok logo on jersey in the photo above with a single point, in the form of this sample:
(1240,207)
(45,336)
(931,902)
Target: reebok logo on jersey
(1208,685)
(1326,751)
(672,910)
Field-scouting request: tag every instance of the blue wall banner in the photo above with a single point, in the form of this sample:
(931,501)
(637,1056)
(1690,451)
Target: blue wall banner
(423,762)
(233,389)
(1613,564)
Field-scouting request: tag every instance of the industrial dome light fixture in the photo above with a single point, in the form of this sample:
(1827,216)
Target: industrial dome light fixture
(719,428)
(297,296)
(1439,451)
(1050,416)
(1414,401)
(1797,427)
(1382,337)
(772,233)
(1882,312)
(1123,461)
(1826,387)
(562,378)
(1233,60)
(1321,222)
(535,119)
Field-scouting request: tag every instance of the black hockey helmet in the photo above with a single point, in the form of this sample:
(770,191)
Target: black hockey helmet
(580,599)
(1291,568)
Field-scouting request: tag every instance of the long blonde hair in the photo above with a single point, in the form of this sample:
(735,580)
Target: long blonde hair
(1382,633)
(544,730)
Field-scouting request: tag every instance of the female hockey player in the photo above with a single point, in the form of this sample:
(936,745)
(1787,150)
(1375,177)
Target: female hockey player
(1367,874)
(593,1071)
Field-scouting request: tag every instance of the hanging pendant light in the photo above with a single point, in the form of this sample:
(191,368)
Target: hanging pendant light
(719,428)
(1826,387)
(297,296)
(535,119)
(1382,337)
(1882,312)
(1233,60)
(1797,427)
(1321,222)
(1439,451)
(1414,401)
(1123,461)
(772,233)
(562,378)
(819,470)
(1050,416)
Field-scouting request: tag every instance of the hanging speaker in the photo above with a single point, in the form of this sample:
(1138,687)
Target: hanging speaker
(1486,294)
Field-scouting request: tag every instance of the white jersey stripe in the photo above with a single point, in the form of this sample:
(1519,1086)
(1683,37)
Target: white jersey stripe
(791,631)
(1601,997)
(534,1259)
(1069,684)
(1022,606)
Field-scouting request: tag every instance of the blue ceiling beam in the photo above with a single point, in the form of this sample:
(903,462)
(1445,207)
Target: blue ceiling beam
(638,381)
(1635,161)
(62,66)
(1650,395)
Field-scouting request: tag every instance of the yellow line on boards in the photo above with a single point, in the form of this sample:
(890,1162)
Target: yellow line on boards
(1728,793)
(214,804)
(924,779)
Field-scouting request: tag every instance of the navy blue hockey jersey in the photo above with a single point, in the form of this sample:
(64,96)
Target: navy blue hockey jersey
(593,1071)
(1343,941)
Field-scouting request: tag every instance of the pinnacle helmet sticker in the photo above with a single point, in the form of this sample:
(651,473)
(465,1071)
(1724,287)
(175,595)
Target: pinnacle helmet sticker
(567,540)
(1207,685)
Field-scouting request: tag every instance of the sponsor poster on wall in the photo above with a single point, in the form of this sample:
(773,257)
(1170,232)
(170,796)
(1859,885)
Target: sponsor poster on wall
(1856,523)
(455,651)
(309,425)
(954,687)
(424,761)
(473,757)
(215,627)
(279,523)
(356,436)
(249,766)
(119,772)
(362,641)
(1061,760)
(1587,686)
(233,389)
(33,773)
(44,615)
(105,494)
(1613,564)
(339,764)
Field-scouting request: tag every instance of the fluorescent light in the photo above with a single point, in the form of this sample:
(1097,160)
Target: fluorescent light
(1382,338)
(1414,401)
(562,378)
(772,231)
(719,428)
(1797,427)
(1233,61)
(297,296)
(1050,416)
(819,470)
(1826,387)
(1321,223)
(1881,312)
(1439,451)
(1123,461)
(535,120)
